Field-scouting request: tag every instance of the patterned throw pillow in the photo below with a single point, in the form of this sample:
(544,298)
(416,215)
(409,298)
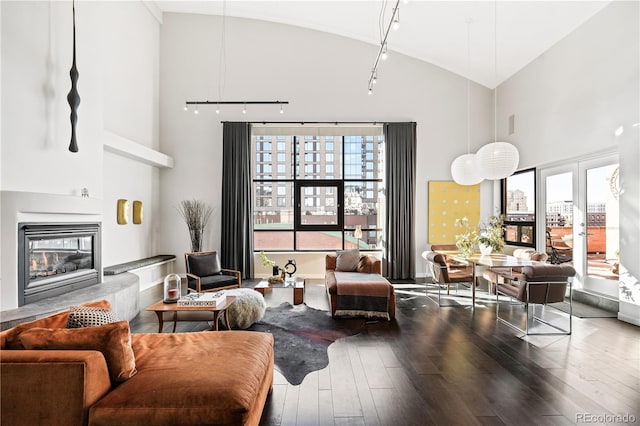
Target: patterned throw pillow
(87,316)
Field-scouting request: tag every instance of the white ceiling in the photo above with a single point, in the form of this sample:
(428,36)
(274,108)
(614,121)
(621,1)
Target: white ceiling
(433,31)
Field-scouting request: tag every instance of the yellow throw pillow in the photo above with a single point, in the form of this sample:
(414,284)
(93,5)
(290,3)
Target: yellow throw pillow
(113,340)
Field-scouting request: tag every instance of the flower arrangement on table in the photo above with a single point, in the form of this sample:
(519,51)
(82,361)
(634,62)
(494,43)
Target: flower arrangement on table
(467,239)
(491,235)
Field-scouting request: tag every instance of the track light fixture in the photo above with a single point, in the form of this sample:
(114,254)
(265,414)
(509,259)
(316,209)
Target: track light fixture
(394,23)
(243,103)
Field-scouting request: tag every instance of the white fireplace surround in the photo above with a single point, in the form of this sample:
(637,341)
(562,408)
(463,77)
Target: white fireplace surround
(35,207)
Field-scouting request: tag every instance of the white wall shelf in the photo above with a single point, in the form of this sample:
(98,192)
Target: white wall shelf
(130,149)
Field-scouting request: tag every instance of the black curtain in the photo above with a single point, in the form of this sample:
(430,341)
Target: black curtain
(236,239)
(400,165)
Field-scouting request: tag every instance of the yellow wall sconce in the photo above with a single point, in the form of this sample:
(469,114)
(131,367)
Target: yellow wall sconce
(137,212)
(123,212)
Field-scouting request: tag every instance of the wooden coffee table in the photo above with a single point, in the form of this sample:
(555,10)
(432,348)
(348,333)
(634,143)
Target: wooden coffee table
(297,287)
(160,308)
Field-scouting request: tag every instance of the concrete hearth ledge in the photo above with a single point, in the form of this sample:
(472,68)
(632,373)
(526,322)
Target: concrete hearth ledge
(122,291)
(128,266)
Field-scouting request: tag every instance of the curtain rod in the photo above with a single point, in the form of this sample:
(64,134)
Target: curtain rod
(375,123)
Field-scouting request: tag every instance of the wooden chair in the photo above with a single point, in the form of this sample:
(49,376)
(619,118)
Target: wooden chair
(205,274)
(539,286)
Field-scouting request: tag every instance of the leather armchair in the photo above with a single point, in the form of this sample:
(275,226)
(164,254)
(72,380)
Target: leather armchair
(205,274)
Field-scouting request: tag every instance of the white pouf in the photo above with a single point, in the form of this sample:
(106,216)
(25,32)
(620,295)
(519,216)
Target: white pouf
(248,307)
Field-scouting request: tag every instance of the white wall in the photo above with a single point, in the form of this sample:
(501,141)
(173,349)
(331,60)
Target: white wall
(569,102)
(325,79)
(117,60)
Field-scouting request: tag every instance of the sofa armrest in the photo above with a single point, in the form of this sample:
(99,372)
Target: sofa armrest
(56,387)
(376,265)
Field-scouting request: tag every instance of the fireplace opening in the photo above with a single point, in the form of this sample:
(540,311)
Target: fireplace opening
(56,258)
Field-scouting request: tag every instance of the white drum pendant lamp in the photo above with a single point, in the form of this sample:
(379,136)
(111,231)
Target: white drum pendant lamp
(497,160)
(464,170)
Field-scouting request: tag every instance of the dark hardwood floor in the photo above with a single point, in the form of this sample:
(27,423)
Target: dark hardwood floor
(454,366)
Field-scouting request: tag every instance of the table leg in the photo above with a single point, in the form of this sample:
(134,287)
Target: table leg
(160,321)
(298,295)
(175,321)
(215,320)
(473,285)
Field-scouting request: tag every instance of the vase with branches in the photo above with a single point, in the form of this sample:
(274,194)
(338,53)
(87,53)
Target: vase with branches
(491,236)
(196,215)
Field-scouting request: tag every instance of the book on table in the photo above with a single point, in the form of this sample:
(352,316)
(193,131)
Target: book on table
(209,299)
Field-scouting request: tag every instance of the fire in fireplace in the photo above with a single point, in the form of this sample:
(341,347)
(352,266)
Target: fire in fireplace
(55,258)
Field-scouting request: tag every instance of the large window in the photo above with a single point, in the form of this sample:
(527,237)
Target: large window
(519,208)
(327,193)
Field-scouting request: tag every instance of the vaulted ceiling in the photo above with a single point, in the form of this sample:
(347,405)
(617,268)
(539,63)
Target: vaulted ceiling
(432,31)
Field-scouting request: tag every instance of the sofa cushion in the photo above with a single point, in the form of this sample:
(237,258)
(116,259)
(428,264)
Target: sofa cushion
(347,260)
(11,338)
(89,316)
(220,379)
(204,265)
(113,340)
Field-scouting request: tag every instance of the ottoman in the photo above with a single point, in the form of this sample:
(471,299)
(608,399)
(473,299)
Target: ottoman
(248,308)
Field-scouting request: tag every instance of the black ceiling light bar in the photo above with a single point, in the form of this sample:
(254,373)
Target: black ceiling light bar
(236,102)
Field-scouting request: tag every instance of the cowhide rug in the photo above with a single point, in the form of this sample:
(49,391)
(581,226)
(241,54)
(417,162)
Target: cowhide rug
(302,336)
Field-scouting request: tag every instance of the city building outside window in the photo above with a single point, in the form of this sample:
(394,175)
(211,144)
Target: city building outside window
(325,188)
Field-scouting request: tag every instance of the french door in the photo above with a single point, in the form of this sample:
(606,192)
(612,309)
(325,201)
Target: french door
(580,203)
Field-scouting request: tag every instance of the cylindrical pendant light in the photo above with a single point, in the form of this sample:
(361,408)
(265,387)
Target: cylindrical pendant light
(497,160)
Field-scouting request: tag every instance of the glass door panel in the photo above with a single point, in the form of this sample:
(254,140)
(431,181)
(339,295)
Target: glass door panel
(601,228)
(559,217)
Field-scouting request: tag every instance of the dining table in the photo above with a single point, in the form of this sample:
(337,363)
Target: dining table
(493,260)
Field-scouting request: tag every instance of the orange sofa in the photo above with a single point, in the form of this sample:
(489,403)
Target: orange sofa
(179,379)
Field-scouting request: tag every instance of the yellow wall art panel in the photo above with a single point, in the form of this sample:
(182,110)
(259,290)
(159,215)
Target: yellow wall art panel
(449,201)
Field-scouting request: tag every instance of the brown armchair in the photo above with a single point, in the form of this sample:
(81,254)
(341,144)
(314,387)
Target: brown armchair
(443,274)
(539,286)
(205,274)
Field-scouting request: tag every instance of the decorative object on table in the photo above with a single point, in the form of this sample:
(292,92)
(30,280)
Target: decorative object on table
(172,288)
(84,193)
(266,262)
(74,97)
(290,268)
(122,214)
(137,212)
(447,201)
(491,236)
(467,239)
(302,336)
(212,299)
(196,214)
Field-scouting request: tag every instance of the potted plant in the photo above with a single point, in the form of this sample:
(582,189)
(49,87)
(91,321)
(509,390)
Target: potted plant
(266,262)
(196,215)
(466,240)
(491,237)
